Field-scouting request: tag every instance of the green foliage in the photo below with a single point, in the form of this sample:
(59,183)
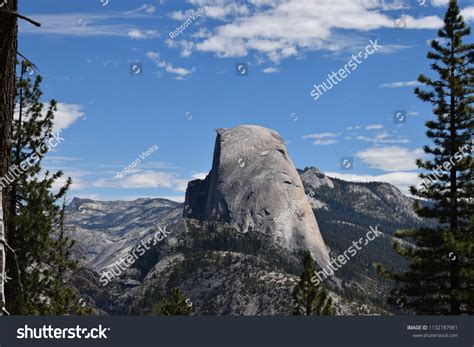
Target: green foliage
(41,263)
(310,299)
(346,220)
(176,305)
(441,272)
(216,236)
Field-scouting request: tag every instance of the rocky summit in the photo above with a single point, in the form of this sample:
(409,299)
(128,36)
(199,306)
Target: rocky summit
(254,186)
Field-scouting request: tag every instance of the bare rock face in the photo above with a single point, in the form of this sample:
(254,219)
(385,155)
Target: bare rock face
(254,186)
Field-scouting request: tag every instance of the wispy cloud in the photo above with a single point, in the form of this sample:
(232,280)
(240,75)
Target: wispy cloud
(150,179)
(185,46)
(382,137)
(55,158)
(180,72)
(86,25)
(400,84)
(323,139)
(271,70)
(148,9)
(143,179)
(374,127)
(137,34)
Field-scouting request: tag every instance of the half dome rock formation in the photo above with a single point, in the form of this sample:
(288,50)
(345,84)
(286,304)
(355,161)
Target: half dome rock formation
(254,186)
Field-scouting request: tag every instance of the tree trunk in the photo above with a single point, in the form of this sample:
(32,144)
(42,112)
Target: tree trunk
(3,251)
(8,50)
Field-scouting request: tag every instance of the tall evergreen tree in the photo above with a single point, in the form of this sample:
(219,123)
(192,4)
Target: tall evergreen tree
(63,297)
(440,278)
(35,233)
(176,305)
(310,299)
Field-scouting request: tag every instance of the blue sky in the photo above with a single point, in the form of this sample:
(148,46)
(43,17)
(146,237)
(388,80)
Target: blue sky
(188,86)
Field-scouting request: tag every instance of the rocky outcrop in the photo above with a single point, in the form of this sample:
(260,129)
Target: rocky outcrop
(314,178)
(254,186)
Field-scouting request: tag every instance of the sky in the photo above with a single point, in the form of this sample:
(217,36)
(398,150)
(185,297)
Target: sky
(161,75)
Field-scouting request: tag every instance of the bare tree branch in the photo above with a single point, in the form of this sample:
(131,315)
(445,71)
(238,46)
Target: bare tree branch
(13,13)
(28,60)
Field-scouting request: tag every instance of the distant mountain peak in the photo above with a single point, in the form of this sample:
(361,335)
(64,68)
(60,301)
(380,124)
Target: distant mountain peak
(315,178)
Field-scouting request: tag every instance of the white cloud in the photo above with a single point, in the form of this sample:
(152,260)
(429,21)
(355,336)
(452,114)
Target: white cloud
(468,13)
(55,158)
(139,179)
(143,179)
(86,25)
(438,3)
(374,127)
(323,139)
(382,137)
(77,175)
(281,29)
(214,9)
(66,115)
(271,70)
(77,182)
(148,9)
(400,84)
(390,158)
(185,46)
(182,185)
(199,176)
(181,72)
(137,34)
(401,180)
(430,22)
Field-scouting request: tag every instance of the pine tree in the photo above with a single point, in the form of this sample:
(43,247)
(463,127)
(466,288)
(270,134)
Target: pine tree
(63,298)
(41,249)
(310,299)
(176,305)
(440,278)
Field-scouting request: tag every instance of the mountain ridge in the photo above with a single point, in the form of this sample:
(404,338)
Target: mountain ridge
(338,229)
